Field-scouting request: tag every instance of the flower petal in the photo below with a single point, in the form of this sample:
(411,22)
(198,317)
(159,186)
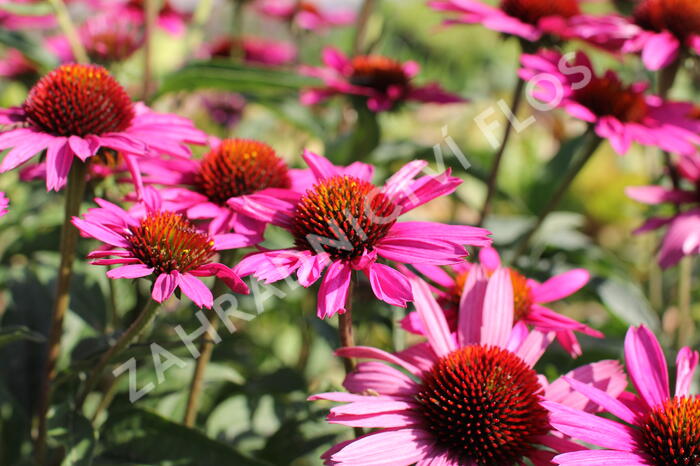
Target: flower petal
(646,365)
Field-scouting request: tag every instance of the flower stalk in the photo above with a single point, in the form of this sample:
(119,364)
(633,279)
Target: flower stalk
(68,28)
(345,331)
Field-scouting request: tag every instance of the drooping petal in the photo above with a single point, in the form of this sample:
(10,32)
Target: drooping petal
(130,271)
(686,362)
(333,293)
(197,291)
(646,365)
(389,285)
(165,285)
(437,330)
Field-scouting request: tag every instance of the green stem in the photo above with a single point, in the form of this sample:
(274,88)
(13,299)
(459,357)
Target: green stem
(68,28)
(586,154)
(75,191)
(143,319)
(237,50)
(492,183)
(151,8)
(686,326)
(361,26)
(345,330)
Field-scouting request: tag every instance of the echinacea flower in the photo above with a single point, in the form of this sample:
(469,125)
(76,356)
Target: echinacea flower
(306,14)
(232,169)
(171,17)
(529,297)
(381,81)
(666,30)
(344,223)
(527,19)
(470,398)
(253,50)
(619,113)
(77,110)
(4,202)
(682,236)
(653,427)
(161,244)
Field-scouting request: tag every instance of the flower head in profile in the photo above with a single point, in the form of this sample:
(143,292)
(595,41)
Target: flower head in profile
(527,19)
(652,427)
(382,82)
(253,50)
(344,223)
(682,236)
(164,245)
(467,398)
(4,203)
(306,14)
(232,169)
(529,297)
(75,111)
(618,112)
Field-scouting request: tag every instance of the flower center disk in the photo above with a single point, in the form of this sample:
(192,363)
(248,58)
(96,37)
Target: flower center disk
(343,216)
(238,167)
(79,100)
(670,433)
(481,403)
(680,17)
(532,11)
(608,96)
(377,72)
(167,241)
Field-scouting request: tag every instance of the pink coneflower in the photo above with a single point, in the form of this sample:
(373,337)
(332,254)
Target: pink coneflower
(232,169)
(620,113)
(253,50)
(346,223)
(4,202)
(171,17)
(381,81)
(683,228)
(527,19)
(75,111)
(657,429)
(306,14)
(162,244)
(467,399)
(528,295)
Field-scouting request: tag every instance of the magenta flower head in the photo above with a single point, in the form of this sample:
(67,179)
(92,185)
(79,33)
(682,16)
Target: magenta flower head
(4,203)
(527,19)
(76,111)
(681,238)
(528,295)
(345,223)
(653,427)
(470,398)
(306,14)
(171,18)
(164,245)
(619,113)
(380,81)
(233,169)
(253,50)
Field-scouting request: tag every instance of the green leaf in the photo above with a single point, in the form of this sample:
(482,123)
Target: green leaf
(627,302)
(358,143)
(74,433)
(19,332)
(27,9)
(233,77)
(140,436)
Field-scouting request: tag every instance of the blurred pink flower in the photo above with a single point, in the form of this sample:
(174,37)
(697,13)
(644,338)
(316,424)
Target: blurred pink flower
(76,110)
(15,21)
(162,244)
(345,223)
(383,82)
(621,114)
(527,19)
(255,50)
(306,14)
(234,168)
(682,236)
(427,400)
(528,295)
(226,109)
(171,17)
(658,429)
(4,202)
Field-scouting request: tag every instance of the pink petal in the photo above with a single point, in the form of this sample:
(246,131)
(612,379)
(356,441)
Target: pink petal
(165,285)
(196,291)
(381,378)
(603,399)
(311,267)
(646,365)
(660,50)
(333,293)
(498,306)
(534,346)
(658,194)
(368,352)
(130,271)
(560,286)
(602,457)
(489,258)
(59,158)
(320,166)
(386,448)
(471,307)
(433,317)
(686,362)
(389,285)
